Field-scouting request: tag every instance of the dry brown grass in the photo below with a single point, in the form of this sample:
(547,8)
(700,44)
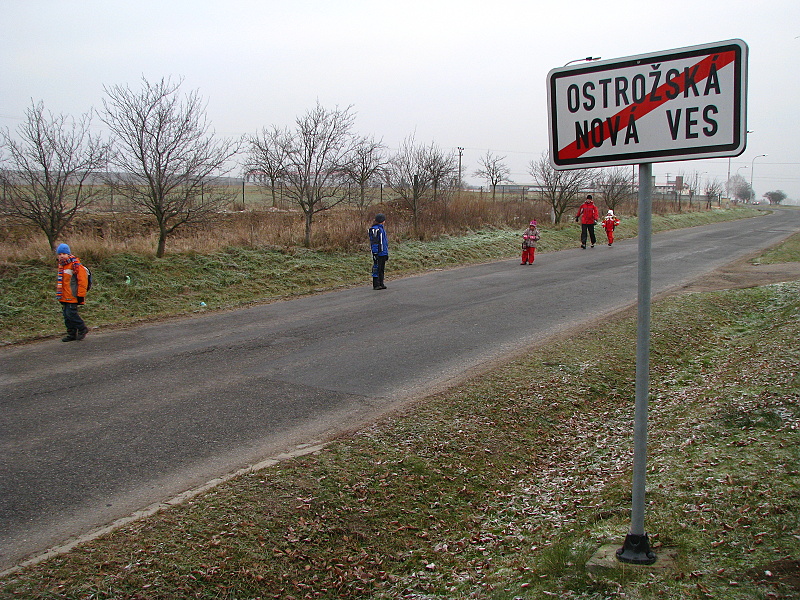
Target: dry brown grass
(111,227)
(106,232)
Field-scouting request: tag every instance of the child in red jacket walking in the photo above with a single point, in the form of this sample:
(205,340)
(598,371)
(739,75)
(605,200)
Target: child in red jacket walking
(610,222)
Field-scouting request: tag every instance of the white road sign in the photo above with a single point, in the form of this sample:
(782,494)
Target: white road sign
(675,105)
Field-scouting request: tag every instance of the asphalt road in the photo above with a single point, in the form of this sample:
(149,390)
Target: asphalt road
(92,431)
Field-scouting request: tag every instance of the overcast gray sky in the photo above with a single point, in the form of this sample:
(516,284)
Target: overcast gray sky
(458,73)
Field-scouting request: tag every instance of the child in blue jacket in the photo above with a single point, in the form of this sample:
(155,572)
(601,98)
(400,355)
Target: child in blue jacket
(380,251)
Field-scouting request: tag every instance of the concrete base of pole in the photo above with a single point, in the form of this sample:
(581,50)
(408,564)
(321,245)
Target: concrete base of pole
(636,550)
(606,559)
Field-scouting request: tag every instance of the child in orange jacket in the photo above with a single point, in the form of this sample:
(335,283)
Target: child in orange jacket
(610,222)
(71,286)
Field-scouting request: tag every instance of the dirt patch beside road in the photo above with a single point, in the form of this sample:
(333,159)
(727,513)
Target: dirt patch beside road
(744,274)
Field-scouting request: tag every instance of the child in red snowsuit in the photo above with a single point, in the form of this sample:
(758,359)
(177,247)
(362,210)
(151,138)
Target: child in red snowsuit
(610,222)
(529,239)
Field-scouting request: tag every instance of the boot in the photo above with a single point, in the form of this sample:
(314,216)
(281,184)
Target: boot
(81,334)
(71,336)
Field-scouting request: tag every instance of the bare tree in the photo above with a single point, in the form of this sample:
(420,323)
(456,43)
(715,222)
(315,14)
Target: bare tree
(692,182)
(366,167)
(739,189)
(713,190)
(559,188)
(318,154)
(267,158)
(49,170)
(615,186)
(493,170)
(409,176)
(170,164)
(442,168)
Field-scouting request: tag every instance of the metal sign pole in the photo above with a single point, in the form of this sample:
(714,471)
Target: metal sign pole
(637,546)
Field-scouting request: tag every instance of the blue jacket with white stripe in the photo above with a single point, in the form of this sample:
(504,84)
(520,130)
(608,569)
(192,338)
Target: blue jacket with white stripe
(377,239)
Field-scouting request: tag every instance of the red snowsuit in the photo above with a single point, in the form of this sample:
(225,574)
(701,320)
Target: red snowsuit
(610,222)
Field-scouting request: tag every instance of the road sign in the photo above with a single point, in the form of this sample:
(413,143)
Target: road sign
(675,105)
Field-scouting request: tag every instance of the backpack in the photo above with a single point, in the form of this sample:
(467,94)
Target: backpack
(89,280)
(73,282)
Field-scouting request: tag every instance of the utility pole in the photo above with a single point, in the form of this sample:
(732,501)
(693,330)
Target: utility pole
(460,154)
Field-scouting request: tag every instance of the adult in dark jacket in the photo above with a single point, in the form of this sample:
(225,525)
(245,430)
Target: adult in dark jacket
(71,286)
(588,216)
(380,251)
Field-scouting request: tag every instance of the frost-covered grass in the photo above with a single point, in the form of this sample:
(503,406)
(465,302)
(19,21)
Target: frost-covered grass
(504,486)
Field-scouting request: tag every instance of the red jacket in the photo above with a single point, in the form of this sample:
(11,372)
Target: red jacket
(588,213)
(610,223)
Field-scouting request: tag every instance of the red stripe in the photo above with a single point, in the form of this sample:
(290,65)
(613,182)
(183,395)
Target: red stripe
(703,68)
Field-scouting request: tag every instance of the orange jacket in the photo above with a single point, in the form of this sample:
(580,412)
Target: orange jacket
(72,281)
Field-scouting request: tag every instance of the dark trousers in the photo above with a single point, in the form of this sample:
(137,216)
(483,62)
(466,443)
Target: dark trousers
(72,320)
(587,228)
(378,268)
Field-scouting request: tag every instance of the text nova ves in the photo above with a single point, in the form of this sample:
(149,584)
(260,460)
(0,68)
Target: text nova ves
(647,92)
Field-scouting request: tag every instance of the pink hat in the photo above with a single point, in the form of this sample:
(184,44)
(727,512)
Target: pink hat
(533,222)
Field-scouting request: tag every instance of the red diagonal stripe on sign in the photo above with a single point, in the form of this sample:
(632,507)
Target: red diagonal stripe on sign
(699,73)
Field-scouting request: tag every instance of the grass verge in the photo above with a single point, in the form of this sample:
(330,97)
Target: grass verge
(785,252)
(501,488)
(131,288)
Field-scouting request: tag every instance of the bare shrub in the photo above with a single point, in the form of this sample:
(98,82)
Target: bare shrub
(344,228)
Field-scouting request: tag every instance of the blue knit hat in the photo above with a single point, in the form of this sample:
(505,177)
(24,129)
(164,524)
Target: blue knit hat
(63,249)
